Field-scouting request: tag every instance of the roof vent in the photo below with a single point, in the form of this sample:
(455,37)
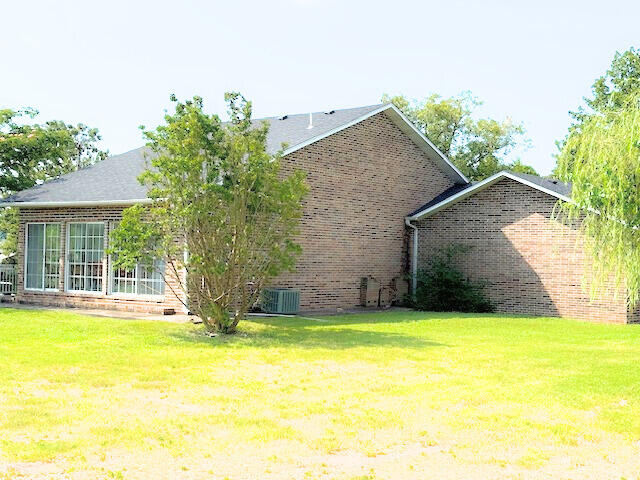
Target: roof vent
(310,126)
(284,117)
(555,182)
(330,112)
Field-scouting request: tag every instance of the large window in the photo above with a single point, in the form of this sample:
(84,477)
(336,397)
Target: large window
(42,263)
(142,280)
(85,249)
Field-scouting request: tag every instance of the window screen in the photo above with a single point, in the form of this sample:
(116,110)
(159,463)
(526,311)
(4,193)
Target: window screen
(42,266)
(142,280)
(85,250)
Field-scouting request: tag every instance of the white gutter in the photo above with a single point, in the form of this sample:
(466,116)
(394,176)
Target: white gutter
(414,257)
(87,203)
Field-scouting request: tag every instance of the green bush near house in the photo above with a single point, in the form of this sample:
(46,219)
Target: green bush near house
(442,287)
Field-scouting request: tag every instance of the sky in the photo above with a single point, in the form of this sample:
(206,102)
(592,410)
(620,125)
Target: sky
(113,64)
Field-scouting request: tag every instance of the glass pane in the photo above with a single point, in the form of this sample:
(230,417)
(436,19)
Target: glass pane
(52,256)
(123,280)
(143,280)
(35,256)
(151,281)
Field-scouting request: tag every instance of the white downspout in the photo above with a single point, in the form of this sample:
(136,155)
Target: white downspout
(414,257)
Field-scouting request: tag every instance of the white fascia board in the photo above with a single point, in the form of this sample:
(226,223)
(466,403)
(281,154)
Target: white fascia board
(559,196)
(84,203)
(428,142)
(481,186)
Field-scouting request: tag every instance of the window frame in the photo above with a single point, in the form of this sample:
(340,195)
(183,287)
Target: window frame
(44,248)
(148,296)
(66,259)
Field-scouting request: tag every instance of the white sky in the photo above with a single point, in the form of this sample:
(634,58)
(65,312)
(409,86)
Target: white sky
(113,64)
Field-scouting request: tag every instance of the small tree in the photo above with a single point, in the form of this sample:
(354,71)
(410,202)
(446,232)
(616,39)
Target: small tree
(222,212)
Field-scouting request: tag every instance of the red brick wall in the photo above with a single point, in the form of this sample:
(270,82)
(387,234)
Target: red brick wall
(363,181)
(535,266)
(83,300)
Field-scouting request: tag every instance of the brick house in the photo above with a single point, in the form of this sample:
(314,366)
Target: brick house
(534,265)
(370,172)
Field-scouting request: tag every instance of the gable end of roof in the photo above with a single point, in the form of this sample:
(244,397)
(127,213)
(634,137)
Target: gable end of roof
(407,127)
(559,190)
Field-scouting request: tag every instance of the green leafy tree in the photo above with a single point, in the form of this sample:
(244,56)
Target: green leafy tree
(221,197)
(477,147)
(600,157)
(519,167)
(613,89)
(32,153)
(602,160)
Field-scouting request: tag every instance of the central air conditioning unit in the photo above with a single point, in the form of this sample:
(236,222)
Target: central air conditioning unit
(280,300)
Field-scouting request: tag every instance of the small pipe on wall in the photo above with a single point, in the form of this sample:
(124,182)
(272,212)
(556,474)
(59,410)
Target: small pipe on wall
(414,256)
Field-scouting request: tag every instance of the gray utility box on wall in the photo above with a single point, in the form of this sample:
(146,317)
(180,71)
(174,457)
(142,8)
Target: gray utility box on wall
(280,300)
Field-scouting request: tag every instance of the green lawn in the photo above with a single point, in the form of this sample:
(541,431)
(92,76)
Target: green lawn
(385,395)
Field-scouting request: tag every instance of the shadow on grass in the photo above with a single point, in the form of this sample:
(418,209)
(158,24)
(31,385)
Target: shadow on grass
(376,317)
(306,334)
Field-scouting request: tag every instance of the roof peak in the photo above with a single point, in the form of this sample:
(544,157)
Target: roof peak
(555,188)
(330,115)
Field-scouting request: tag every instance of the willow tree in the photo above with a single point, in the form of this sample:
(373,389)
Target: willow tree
(223,215)
(602,160)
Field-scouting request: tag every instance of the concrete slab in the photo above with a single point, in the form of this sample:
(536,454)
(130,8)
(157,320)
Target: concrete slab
(182,318)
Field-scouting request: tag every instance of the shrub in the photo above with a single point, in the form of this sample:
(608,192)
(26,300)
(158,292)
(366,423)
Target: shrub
(442,287)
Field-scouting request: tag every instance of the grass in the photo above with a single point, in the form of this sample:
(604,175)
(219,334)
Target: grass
(295,398)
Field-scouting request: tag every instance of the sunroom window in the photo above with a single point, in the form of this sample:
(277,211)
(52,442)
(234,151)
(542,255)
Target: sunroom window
(85,249)
(142,280)
(42,265)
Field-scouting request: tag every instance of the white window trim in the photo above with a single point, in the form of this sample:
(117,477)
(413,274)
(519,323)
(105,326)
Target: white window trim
(142,296)
(44,246)
(66,261)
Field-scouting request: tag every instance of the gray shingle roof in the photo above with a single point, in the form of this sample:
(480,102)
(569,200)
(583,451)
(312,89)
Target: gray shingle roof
(552,184)
(293,130)
(115,179)
(443,196)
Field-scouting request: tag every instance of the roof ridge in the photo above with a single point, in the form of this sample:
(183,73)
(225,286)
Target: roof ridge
(336,110)
(115,178)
